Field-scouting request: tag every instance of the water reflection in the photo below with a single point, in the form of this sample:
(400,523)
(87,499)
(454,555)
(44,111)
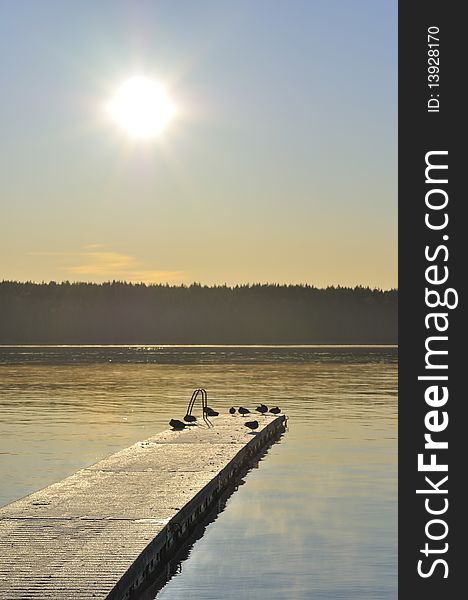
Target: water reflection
(175,565)
(317,520)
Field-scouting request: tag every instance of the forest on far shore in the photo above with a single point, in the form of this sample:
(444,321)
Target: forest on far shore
(128,313)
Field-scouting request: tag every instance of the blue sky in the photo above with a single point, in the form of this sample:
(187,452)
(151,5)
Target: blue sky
(281,166)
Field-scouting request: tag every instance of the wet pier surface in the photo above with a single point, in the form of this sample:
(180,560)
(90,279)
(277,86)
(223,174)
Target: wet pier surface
(108,530)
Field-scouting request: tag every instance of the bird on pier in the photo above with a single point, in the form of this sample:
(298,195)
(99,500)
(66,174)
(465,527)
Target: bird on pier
(251,425)
(232,410)
(190,418)
(244,411)
(210,412)
(262,409)
(176,424)
(275,410)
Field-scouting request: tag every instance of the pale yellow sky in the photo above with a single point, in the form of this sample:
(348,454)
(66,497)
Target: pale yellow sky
(280,165)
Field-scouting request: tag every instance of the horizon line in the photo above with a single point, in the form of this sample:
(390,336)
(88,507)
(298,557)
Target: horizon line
(198,284)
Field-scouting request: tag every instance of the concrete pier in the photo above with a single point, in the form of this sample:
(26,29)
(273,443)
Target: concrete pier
(109,529)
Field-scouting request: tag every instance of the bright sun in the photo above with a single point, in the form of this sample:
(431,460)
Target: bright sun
(141,108)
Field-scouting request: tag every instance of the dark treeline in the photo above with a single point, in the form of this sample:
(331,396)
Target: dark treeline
(124,313)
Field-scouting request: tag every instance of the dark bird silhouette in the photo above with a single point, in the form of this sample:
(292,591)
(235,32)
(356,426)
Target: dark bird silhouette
(176,424)
(275,410)
(251,424)
(244,411)
(232,410)
(190,418)
(210,412)
(262,409)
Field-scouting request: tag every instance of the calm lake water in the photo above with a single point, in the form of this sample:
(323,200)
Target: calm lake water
(316,520)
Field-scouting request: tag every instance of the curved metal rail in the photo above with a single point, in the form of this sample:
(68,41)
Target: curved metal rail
(204,402)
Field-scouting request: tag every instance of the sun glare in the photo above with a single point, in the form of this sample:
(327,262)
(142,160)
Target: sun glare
(141,108)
